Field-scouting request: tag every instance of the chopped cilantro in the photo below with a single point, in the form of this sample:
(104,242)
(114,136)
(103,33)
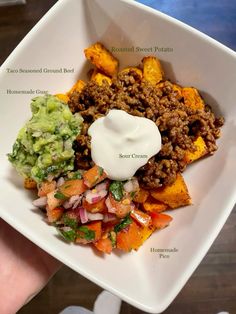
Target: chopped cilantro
(77,175)
(69,235)
(124,223)
(86,233)
(69,221)
(100,171)
(67,186)
(112,237)
(132,194)
(117,190)
(60,196)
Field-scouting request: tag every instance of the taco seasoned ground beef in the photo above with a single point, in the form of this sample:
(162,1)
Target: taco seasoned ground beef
(179,124)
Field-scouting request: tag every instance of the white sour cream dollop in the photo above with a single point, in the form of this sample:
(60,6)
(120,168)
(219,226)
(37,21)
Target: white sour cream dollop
(122,143)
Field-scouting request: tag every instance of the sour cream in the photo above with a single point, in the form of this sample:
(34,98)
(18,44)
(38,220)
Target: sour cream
(122,143)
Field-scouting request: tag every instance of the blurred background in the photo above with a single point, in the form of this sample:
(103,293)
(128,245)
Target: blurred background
(212,287)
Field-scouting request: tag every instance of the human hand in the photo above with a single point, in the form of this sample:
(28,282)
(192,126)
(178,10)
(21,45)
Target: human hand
(24,269)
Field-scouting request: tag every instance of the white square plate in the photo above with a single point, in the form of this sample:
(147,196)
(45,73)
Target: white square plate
(141,278)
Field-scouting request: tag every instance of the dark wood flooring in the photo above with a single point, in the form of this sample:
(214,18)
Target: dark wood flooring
(212,288)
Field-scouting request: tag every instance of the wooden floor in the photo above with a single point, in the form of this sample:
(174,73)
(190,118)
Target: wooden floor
(212,288)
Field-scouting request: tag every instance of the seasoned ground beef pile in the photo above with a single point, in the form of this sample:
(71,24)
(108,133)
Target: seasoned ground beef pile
(179,125)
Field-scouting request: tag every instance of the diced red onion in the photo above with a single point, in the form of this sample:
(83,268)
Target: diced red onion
(93,198)
(128,186)
(95,216)
(40,202)
(77,203)
(67,204)
(50,177)
(102,193)
(73,201)
(60,181)
(83,215)
(132,206)
(135,184)
(110,208)
(109,217)
(131,185)
(102,186)
(66,228)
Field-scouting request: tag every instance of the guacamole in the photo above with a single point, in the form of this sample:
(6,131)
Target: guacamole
(43,148)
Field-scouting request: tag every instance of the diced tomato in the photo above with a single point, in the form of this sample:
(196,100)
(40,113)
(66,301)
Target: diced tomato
(54,214)
(141,196)
(129,238)
(133,236)
(93,176)
(52,201)
(99,207)
(122,208)
(159,220)
(104,245)
(109,226)
(73,187)
(142,218)
(95,226)
(46,187)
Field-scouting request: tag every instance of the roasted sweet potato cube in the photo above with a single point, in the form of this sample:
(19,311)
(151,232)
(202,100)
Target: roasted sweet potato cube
(135,69)
(63,97)
(200,151)
(102,59)
(152,205)
(30,184)
(141,196)
(175,195)
(77,87)
(192,98)
(99,78)
(152,70)
(178,91)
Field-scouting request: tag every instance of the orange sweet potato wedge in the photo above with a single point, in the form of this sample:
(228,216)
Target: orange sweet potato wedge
(192,98)
(152,205)
(30,184)
(98,55)
(201,150)
(152,70)
(65,98)
(141,196)
(175,195)
(99,77)
(77,87)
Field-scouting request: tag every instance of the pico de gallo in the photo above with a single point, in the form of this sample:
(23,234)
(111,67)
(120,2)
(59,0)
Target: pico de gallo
(88,208)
